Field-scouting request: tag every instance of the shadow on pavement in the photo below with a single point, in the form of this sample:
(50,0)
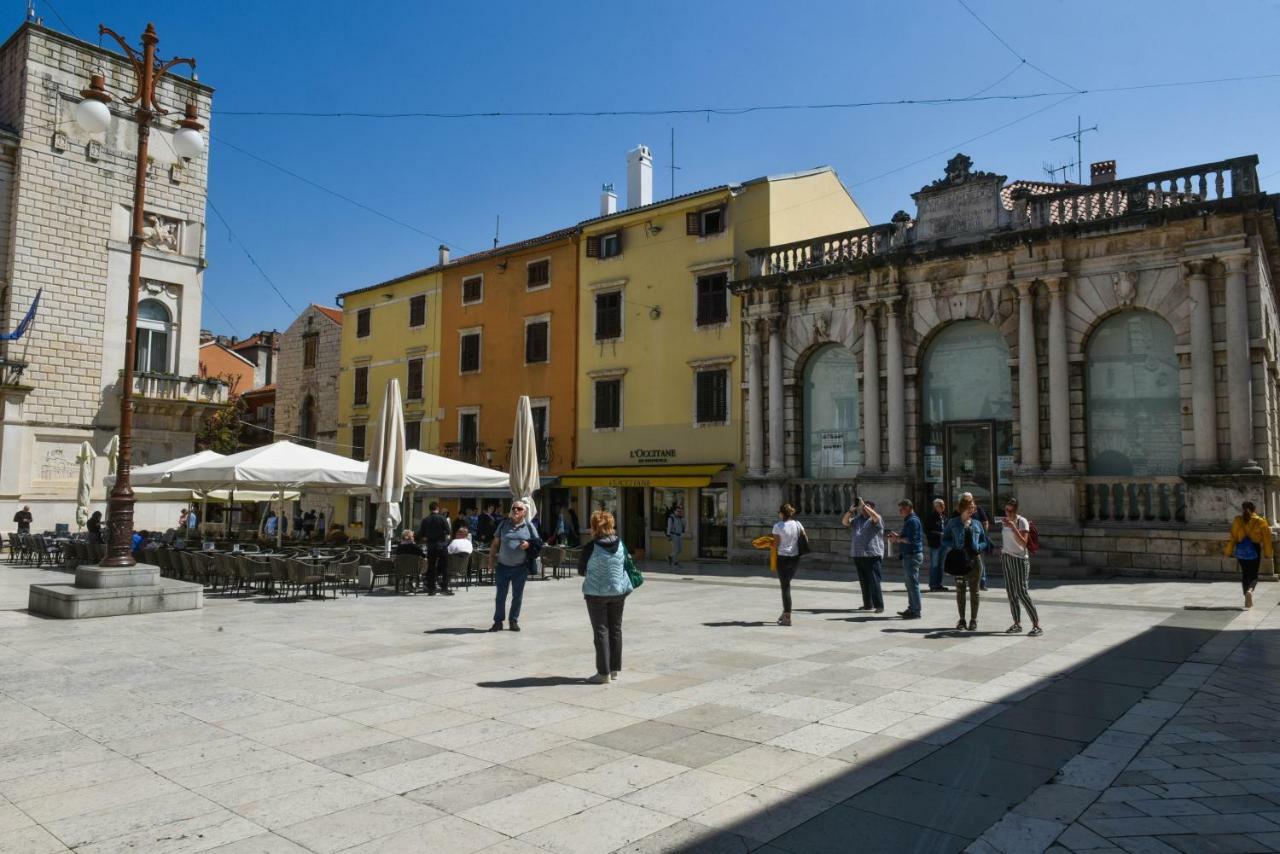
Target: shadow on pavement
(534,682)
(728,623)
(459,630)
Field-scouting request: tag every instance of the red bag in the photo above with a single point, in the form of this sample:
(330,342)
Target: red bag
(1033,538)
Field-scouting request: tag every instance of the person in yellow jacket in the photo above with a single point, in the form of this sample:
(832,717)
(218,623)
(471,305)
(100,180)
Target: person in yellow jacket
(1250,542)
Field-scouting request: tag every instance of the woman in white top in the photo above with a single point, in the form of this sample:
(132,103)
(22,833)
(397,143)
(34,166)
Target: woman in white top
(787,533)
(1016,561)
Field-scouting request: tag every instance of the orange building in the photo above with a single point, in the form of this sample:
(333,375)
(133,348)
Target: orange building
(509,327)
(223,363)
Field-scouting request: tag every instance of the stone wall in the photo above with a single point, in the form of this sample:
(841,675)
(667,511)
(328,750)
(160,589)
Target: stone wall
(294,382)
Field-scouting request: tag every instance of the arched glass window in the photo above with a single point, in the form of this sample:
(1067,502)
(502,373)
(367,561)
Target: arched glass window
(155,330)
(831,414)
(1132,404)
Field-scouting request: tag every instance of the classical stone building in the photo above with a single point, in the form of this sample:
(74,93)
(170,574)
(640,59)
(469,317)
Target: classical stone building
(1106,353)
(307,379)
(65,210)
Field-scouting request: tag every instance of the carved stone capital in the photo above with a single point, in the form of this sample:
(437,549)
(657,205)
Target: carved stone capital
(1025,287)
(1057,285)
(1235,263)
(1196,268)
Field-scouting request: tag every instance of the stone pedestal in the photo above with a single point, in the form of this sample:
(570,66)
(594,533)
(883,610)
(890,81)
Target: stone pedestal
(102,591)
(1044,497)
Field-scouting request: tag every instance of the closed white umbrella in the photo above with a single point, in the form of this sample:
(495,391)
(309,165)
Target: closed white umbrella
(525,474)
(113,453)
(386,463)
(84,489)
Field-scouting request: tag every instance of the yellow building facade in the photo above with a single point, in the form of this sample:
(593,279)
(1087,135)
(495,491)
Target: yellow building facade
(660,351)
(391,329)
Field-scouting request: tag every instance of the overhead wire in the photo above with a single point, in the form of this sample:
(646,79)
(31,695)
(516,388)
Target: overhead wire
(249,255)
(1011,48)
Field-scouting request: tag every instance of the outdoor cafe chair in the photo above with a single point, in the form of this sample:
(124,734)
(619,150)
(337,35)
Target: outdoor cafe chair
(347,574)
(254,572)
(408,573)
(306,574)
(280,580)
(460,568)
(553,559)
(15,548)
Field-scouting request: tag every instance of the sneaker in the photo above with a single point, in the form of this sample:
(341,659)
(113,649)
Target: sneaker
(1248,600)
(599,679)
(904,613)
(447,593)
(496,627)
(1015,629)
(515,626)
(866,608)
(973,625)
(910,616)
(613,677)
(960,625)
(784,620)
(1035,632)
(879,610)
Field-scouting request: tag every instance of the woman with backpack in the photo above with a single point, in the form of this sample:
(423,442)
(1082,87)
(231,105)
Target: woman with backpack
(1016,533)
(1250,542)
(605,588)
(788,535)
(964,539)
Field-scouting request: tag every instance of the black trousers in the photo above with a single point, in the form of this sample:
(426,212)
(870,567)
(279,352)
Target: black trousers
(1249,573)
(437,568)
(787,566)
(606,628)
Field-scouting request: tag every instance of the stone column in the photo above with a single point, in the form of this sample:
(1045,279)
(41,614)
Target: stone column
(894,385)
(1239,369)
(870,393)
(777,423)
(755,402)
(1028,379)
(1059,378)
(1203,396)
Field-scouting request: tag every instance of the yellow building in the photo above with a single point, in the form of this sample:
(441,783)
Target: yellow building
(391,329)
(660,348)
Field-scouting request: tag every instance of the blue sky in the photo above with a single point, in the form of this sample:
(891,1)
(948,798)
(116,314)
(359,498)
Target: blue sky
(450,179)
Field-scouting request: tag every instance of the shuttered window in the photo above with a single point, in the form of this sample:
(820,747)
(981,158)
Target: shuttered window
(418,310)
(701,223)
(712,396)
(413,435)
(357,442)
(413,383)
(310,348)
(539,275)
(362,323)
(605,245)
(469,357)
(537,342)
(608,315)
(608,404)
(361,395)
(472,290)
(713,299)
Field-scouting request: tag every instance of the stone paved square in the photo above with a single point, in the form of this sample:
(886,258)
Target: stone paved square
(1142,718)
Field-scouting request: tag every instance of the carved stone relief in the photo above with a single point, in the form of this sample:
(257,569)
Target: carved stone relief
(161,232)
(1125,284)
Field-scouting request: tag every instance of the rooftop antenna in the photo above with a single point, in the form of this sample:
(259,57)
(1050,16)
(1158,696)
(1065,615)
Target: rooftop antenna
(1076,135)
(497,227)
(1052,171)
(673,167)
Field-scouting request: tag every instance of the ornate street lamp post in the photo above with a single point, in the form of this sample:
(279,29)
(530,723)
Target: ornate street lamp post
(93,115)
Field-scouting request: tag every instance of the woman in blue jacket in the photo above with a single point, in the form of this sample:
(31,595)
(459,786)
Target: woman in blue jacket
(605,588)
(963,534)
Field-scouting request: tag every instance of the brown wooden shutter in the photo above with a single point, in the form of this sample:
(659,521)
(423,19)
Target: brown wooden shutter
(593,247)
(618,234)
(693,223)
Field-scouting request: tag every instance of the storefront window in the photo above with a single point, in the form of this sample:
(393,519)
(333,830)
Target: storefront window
(713,522)
(831,414)
(604,498)
(663,502)
(1134,412)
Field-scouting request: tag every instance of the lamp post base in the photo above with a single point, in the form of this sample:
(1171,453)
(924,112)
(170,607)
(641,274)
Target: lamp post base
(105,591)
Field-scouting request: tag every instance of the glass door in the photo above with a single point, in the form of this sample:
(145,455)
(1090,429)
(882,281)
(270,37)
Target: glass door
(970,462)
(713,522)
(632,521)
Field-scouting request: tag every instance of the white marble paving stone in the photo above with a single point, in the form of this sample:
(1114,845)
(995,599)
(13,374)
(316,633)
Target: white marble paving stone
(356,825)
(689,793)
(760,763)
(263,784)
(571,758)
(30,840)
(599,829)
(451,834)
(763,813)
(101,796)
(524,811)
(276,811)
(398,779)
(184,836)
(625,775)
(82,829)
(262,843)
(818,739)
(867,718)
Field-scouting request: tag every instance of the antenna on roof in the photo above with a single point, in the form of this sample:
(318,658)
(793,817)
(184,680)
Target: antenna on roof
(497,226)
(1052,171)
(673,167)
(1076,134)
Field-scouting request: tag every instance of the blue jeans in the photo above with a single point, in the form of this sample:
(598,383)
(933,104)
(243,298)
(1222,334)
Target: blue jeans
(911,569)
(935,567)
(513,577)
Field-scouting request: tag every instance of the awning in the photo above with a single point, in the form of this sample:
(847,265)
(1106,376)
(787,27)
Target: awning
(641,476)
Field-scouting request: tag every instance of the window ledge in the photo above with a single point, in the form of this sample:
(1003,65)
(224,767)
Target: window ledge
(699,425)
(712,327)
(606,373)
(617,429)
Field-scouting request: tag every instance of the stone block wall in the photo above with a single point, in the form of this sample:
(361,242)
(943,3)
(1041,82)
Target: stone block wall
(294,381)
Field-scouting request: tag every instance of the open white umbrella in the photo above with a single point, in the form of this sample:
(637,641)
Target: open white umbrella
(428,471)
(385,476)
(159,474)
(525,475)
(84,489)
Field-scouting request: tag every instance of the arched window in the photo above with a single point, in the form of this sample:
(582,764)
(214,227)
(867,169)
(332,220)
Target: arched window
(307,421)
(831,414)
(1132,397)
(155,331)
(967,415)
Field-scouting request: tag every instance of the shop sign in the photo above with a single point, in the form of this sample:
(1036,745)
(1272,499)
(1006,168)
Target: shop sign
(653,455)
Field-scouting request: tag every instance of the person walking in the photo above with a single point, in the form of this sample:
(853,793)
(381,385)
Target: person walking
(910,540)
(94,527)
(1249,543)
(787,534)
(675,534)
(433,536)
(963,540)
(486,523)
(1015,560)
(516,543)
(934,522)
(605,590)
(23,519)
(866,547)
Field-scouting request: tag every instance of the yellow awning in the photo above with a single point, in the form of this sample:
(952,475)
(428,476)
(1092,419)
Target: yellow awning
(641,476)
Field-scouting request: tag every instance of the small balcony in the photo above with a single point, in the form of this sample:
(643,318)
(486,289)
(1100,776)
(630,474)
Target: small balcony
(545,451)
(159,391)
(11,371)
(476,453)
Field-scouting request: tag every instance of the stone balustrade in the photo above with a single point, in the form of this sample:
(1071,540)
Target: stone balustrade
(812,497)
(1191,185)
(1133,501)
(822,251)
(181,390)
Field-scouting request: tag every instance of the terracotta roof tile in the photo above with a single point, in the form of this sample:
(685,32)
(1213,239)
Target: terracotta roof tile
(334,314)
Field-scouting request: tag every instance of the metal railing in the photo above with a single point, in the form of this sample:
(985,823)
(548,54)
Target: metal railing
(1135,501)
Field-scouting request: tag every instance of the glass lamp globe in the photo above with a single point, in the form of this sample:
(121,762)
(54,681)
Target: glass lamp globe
(93,116)
(188,143)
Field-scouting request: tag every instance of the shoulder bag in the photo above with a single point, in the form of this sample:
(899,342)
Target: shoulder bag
(802,542)
(633,572)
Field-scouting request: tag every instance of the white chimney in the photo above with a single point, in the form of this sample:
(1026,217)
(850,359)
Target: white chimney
(608,200)
(639,177)
(444,254)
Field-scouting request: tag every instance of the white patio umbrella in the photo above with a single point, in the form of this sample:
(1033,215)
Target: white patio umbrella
(385,475)
(428,471)
(525,476)
(84,489)
(113,453)
(158,474)
(281,466)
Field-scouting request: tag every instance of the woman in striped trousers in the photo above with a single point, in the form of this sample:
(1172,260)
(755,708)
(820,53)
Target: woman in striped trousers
(1016,561)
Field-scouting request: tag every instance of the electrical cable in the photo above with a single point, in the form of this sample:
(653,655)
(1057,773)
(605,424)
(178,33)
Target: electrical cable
(1011,49)
(249,255)
(62,20)
(204,292)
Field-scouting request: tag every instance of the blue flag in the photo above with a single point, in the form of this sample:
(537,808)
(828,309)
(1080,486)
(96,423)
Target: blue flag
(26,321)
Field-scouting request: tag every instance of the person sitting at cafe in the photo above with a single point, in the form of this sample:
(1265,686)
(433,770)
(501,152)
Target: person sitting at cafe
(461,542)
(407,546)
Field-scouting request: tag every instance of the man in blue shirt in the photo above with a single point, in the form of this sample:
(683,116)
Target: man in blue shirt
(866,547)
(910,540)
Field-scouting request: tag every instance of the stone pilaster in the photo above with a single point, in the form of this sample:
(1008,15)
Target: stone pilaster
(1059,381)
(894,388)
(1239,369)
(755,402)
(1028,379)
(777,415)
(1203,395)
(870,393)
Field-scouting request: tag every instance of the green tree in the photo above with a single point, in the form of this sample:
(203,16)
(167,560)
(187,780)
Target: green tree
(220,429)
